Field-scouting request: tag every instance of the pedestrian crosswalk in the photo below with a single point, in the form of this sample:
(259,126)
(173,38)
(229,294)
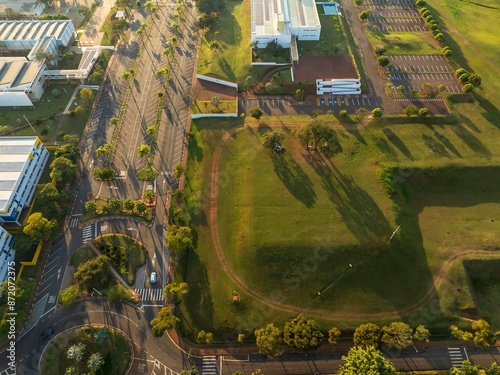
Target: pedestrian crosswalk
(73,221)
(209,366)
(456,357)
(150,294)
(87,233)
(35,314)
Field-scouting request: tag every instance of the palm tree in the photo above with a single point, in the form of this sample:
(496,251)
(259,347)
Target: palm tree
(105,152)
(113,121)
(145,151)
(95,361)
(76,352)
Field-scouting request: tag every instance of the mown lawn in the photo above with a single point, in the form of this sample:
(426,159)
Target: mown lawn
(232,61)
(332,40)
(290,224)
(404,43)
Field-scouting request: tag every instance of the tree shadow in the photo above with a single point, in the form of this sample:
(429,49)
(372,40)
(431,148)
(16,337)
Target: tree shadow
(359,211)
(446,143)
(384,146)
(471,140)
(294,178)
(396,141)
(491,113)
(435,146)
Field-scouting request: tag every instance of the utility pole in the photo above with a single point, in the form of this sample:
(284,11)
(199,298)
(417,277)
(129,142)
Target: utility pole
(394,233)
(29,123)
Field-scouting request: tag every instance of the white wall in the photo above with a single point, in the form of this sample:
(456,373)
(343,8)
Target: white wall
(283,40)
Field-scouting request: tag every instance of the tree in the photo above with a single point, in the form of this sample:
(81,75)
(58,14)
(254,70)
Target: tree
(113,121)
(175,289)
(87,96)
(397,335)
(377,113)
(482,334)
(145,151)
(76,352)
(95,362)
(141,207)
(189,372)
(333,335)
(178,171)
(105,150)
(319,136)
(366,361)
(42,55)
(39,228)
(129,205)
(215,100)
(343,113)
(467,369)
(69,294)
(493,370)
(475,80)
(256,112)
(48,194)
(62,169)
(363,16)
(383,61)
(460,334)
(367,335)
(101,335)
(83,10)
(429,90)
(467,88)
(152,131)
(165,320)
(270,138)
(205,337)
(69,151)
(93,272)
(70,371)
(90,207)
(179,239)
(423,112)
(421,334)
(410,110)
(214,45)
(115,204)
(303,334)
(269,341)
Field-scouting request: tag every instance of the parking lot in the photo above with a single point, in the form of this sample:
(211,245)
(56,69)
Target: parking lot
(382,4)
(401,20)
(413,70)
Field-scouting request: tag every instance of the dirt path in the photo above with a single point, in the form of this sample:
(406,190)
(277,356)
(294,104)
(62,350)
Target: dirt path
(439,277)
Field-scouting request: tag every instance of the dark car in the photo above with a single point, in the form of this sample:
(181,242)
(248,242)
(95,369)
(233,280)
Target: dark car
(46,333)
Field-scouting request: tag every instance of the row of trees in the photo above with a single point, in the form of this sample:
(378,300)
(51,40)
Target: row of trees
(115,205)
(304,334)
(51,201)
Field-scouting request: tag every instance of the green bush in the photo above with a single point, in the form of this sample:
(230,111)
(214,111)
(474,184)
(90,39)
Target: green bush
(69,294)
(105,173)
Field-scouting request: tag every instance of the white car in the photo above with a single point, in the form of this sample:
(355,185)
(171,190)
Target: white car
(152,278)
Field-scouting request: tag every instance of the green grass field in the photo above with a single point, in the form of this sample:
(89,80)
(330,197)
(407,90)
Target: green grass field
(332,41)
(404,43)
(233,60)
(295,222)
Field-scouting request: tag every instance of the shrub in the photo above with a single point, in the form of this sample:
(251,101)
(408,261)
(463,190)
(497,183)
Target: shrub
(448,53)
(439,37)
(459,72)
(343,113)
(464,78)
(44,131)
(363,16)
(467,88)
(423,112)
(424,12)
(383,61)
(380,50)
(420,3)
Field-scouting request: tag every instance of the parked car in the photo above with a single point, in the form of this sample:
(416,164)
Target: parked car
(153,278)
(46,333)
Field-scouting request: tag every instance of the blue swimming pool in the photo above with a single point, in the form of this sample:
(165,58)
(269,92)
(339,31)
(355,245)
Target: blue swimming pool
(330,8)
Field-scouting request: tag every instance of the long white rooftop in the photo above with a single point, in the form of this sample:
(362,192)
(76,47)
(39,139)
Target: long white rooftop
(32,30)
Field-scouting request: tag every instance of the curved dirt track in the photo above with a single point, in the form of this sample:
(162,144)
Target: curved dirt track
(439,277)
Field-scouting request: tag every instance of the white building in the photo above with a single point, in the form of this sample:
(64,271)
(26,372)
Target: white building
(24,35)
(6,253)
(281,20)
(21,81)
(27,8)
(338,86)
(22,160)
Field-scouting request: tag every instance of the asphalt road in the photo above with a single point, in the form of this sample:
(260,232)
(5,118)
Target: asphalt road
(56,273)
